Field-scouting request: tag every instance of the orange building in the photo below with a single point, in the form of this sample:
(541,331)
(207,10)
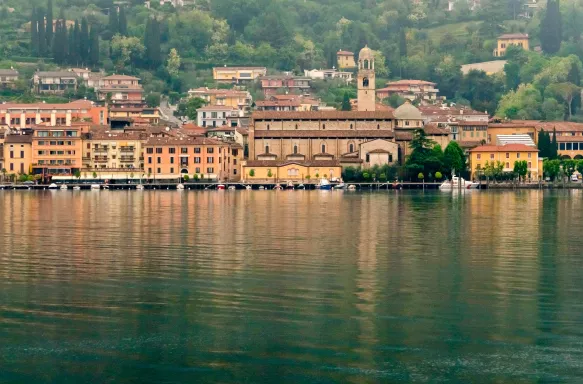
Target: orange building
(56,150)
(17,154)
(508,155)
(169,158)
(24,115)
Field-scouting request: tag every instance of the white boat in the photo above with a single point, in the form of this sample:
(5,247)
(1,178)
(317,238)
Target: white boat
(232,188)
(140,187)
(301,186)
(180,187)
(352,187)
(340,186)
(290,185)
(64,187)
(261,188)
(324,185)
(53,186)
(76,188)
(248,187)
(277,187)
(457,183)
(95,186)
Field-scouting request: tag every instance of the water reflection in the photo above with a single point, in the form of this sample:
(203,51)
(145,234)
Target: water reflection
(290,286)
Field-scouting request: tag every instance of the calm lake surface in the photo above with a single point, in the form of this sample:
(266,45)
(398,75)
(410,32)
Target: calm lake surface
(291,287)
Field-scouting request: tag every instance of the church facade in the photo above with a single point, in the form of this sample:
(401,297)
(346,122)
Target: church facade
(289,146)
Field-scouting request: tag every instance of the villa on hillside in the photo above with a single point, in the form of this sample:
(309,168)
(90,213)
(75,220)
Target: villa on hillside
(506,40)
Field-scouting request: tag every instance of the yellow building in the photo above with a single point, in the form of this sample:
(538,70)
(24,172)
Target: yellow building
(113,150)
(226,97)
(504,41)
(345,59)
(508,155)
(512,128)
(124,116)
(17,154)
(300,171)
(238,74)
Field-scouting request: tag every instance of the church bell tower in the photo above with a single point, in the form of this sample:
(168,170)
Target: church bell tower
(366,80)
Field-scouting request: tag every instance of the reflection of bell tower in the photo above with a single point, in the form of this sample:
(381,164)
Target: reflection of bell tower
(366,80)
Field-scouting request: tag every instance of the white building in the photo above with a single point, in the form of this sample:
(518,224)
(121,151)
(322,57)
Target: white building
(324,74)
(215,116)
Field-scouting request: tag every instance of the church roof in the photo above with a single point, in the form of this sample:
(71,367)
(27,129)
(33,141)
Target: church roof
(408,111)
(323,115)
(365,52)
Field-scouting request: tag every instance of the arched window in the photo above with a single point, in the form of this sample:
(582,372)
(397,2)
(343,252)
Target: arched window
(378,126)
(268,126)
(295,149)
(267,149)
(323,148)
(365,82)
(296,126)
(350,126)
(366,64)
(350,148)
(323,126)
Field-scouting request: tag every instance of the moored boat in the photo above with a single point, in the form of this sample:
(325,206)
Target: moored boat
(64,187)
(53,186)
(76,188)
(324,185)
(277,187)
(301,186)
(140,187)
(232,188)
(457,183)
(221,187)
(351,187)
(180,187)
(290,185)
(248,187)
(95,186)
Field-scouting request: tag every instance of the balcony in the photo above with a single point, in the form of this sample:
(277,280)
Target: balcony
(100,149)
(100,159)
(126,149)
(127,159)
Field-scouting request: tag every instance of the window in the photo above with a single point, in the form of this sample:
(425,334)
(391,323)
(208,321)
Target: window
(350,148)
(150,150)
(296,126)
(378,126)
(159,170)
(507,165)
(351,126)
(234,171)
(197,160)
(11,167)
(323,148)
(491,156)
(171,150)
(210,160)
(196,150)
(507,155)
(149,159)
(529,165)
(367,158)
(502,45)
(12,154)
(171,160)
(529,155)
(479,156)
(267,149)
(197,170)
(159,160)
(268,127)
(407,122)
(562,146)
(171,170)
(323,126)
(220,160)
(210,170)
(210,150)
(149,169)
(158,150)
(184,151)
(569,146)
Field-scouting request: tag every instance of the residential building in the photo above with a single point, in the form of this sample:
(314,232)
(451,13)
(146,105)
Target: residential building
(18,116)
(121,90)
(239,99)
(506,40)
(17,153)
(345,59)
(278,105)
(55,82)
(103,148)
(237,75)
(169,158)
(56,150)
(511,128)
(515,139)
(120,117)
(242,138)
(450,114)
(270,85)
(328,74)
(411,90)
(224,133)
(8,77)
(305,103)
(217,116)
(508,155)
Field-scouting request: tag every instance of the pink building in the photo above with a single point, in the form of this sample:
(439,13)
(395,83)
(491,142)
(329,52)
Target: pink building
(271,84)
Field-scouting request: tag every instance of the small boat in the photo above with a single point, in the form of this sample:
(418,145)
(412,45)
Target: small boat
(53,186)
(290,185)
(301,186)
(248,187)
(324,185)
(140,187)
(95,186)
(261,188)
(277,187)
(76,188)
(221,187)
(232,188)
(352,187)
(180,187)
(457,183)
(64,187)
(340,186)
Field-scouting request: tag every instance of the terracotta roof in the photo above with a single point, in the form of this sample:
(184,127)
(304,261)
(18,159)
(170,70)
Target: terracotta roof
(469,144)
(78,104)
(216,108)
(121,87)
(156,141)
(284,77)
(56,74)
(409,82)
(278,163)
(225,128)
(112,135)
(505,148)
(449,111)
(18,139)
(559,126)
(128,109)
(513,36)
(472,123)
(278,103)
(434,130)
(120,77)
(237,68)
(403,135)
(324,154)
(8,72)
(569,139)
(325,133)
(229,92)
(345,53)
(243,131)
(322,115)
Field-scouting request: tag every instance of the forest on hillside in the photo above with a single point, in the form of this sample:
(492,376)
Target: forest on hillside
(173,49)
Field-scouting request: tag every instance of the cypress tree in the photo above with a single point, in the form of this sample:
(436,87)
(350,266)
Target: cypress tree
(84,38)
(77,42)
(42,34)
(71,51)
(56,48)
(156,50)
(402,43)
(554,151)
(147,40)
(94,47)
(34,33)
(122,22)
(49,26)
(551,28)
(113,21)
(64,41)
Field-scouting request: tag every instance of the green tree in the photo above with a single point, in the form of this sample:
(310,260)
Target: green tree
(49,25)
(153,99)
(421,148)
(512,75)
(565,92)
(551,28)
(42,35)
(122,22)
(552,168)
(346,102)
(454,158)
(126,51)
(173,62)
(152,43)
(554,150)
(272,26)
(552,110)
(524,103)
(521,169)
(252,173)
(34,32)
(84,44)
(189,107)
(93,47)
(113,26)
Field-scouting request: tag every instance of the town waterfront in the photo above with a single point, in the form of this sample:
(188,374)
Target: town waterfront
(291,287)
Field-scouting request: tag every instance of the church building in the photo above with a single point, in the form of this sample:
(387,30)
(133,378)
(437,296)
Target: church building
(295,146)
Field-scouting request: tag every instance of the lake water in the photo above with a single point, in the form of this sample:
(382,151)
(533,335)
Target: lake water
(291,287)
